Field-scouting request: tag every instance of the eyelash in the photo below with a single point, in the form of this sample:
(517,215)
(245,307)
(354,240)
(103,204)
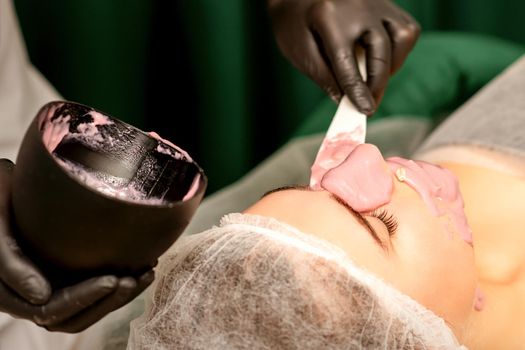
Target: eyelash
(388,220)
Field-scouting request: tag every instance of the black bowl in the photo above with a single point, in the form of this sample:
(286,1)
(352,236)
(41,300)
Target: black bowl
(92,195)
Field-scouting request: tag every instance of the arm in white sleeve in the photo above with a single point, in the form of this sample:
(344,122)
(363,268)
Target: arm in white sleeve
(23,90)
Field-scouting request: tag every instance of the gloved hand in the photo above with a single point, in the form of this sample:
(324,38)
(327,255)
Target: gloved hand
(25,293)
(320,36)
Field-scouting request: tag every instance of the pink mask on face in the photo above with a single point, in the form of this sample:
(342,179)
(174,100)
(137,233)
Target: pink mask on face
(439,189)
(364,181)
(332,153)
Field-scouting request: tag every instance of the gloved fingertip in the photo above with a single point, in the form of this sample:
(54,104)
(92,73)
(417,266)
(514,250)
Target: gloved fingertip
(336,98)
(38,298)
(36,290)
(127,283)
(147,278)
(366,106)
(108,282)
(334,94)
(362,98)
(7,162)
(6,165)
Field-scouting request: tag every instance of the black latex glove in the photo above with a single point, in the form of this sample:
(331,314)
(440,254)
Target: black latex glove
(25,293)
(319,37)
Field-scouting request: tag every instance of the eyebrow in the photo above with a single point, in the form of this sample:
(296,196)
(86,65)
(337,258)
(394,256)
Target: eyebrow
(358,216)
(287,187)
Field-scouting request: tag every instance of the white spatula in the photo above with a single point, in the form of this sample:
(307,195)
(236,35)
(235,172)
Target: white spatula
(347,118)
(348,128)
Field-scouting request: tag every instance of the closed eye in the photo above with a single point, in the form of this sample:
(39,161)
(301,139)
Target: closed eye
(359,217)
(388,219)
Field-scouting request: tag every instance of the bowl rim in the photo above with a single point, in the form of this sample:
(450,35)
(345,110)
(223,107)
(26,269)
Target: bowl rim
(42,114)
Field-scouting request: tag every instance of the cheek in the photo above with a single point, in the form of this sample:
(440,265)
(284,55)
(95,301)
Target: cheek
(447,283)
(437,267)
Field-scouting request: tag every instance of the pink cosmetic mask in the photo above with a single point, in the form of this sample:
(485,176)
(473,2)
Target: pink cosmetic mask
(55,130)
(438,188)
(332,153)
(364,181)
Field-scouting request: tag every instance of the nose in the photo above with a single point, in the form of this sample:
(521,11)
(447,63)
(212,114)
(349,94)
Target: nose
(363,180)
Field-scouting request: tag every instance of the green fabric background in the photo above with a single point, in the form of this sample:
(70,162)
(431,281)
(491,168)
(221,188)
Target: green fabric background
(229,97)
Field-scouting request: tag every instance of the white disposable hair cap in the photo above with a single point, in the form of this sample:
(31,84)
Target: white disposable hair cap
(256,283)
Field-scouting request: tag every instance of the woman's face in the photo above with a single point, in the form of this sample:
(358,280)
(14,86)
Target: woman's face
(401,241)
